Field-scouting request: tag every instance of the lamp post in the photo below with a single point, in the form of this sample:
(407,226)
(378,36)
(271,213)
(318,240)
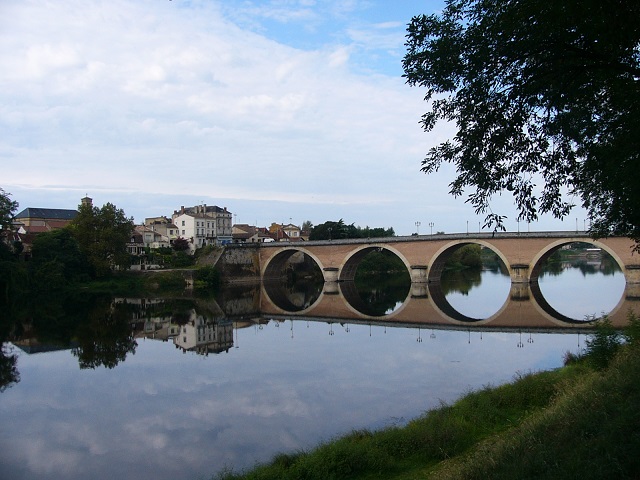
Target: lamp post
(418,227)
(431,226)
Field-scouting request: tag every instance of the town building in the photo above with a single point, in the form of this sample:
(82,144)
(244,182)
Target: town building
(32,221)
(204,336)
(163,226)
(203,225)
(285,233)
(44,219)
(243,233)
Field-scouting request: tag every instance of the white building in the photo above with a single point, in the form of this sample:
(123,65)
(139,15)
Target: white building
(204,336)
(203,225)
(165,228)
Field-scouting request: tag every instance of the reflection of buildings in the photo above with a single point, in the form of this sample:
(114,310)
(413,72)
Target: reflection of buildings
(204,336)
(147,325)
(32,345)
(188,329)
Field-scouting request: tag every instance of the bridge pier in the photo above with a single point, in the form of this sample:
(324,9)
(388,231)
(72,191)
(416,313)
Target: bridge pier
(520,273)
(519,292)
(419,274)
(419,290)
(632,274)
(331,288)
(330,274)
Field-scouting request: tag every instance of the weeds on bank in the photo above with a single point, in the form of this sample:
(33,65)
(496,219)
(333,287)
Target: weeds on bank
(590,431)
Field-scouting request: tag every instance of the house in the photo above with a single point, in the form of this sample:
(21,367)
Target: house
(292,231)
(32,221)
(46,219)
(164,227)
(243,233)
(203,225)
(285,233)
(204,336)
(135,245)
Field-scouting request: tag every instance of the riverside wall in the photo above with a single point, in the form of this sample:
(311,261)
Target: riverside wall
(240,265)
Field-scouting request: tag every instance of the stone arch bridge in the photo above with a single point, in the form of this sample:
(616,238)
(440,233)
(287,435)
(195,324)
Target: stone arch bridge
(424,256)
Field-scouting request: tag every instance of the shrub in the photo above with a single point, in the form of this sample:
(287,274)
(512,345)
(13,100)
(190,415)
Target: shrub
(207,277)
(603,344)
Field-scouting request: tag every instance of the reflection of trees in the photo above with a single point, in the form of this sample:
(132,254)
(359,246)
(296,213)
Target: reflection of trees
(609,266)
(380,263)
(9,374)
(105,338)
(382,294)
(303,293)
(559,261)
(462,281)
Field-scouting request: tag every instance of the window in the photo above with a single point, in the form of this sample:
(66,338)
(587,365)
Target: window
(183,223)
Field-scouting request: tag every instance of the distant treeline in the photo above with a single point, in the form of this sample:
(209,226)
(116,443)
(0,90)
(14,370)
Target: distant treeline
(339,230)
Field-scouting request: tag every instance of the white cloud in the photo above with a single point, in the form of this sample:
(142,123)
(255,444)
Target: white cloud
(174,99)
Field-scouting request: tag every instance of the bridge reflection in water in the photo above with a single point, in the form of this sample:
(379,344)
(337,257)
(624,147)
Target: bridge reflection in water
(427,305)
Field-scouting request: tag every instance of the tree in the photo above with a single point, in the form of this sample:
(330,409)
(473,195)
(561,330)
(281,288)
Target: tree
(7,210)
(337,230)
(105,338)
(180,244)
(540,92)
(103,234)
(330,231)
(61,248)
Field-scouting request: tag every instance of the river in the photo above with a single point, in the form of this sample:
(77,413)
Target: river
(107,389)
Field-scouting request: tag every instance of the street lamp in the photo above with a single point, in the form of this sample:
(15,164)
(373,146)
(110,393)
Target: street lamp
(418,227)
(431,226)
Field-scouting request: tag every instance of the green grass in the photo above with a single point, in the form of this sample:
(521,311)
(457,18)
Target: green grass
(580,421)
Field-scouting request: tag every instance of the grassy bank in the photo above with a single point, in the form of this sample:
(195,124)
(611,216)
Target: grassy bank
(580,421)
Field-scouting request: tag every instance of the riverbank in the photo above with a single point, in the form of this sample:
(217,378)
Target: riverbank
(579,421)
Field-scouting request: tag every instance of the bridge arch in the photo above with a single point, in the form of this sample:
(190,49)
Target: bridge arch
(441,256)
(539,300)
(280,298)
(357,306)
(546,252)
(350,265)
(275,265)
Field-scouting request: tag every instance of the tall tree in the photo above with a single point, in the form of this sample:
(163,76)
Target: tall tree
(8,208)
(103,234)
(545,96)
(61,248)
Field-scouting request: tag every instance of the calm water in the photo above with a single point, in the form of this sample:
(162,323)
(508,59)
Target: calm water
(162,412)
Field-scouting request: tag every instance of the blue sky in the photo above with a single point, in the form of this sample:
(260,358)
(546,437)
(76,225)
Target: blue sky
(281,110)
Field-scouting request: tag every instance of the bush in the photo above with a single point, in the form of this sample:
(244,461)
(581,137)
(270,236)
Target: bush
(181,260)
(603,344)
(207,277)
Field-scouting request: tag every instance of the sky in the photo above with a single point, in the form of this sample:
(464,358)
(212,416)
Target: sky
(280,110)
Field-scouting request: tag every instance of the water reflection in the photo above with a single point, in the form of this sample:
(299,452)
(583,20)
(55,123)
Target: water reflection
(476,293)
(179,388)
(582,284)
